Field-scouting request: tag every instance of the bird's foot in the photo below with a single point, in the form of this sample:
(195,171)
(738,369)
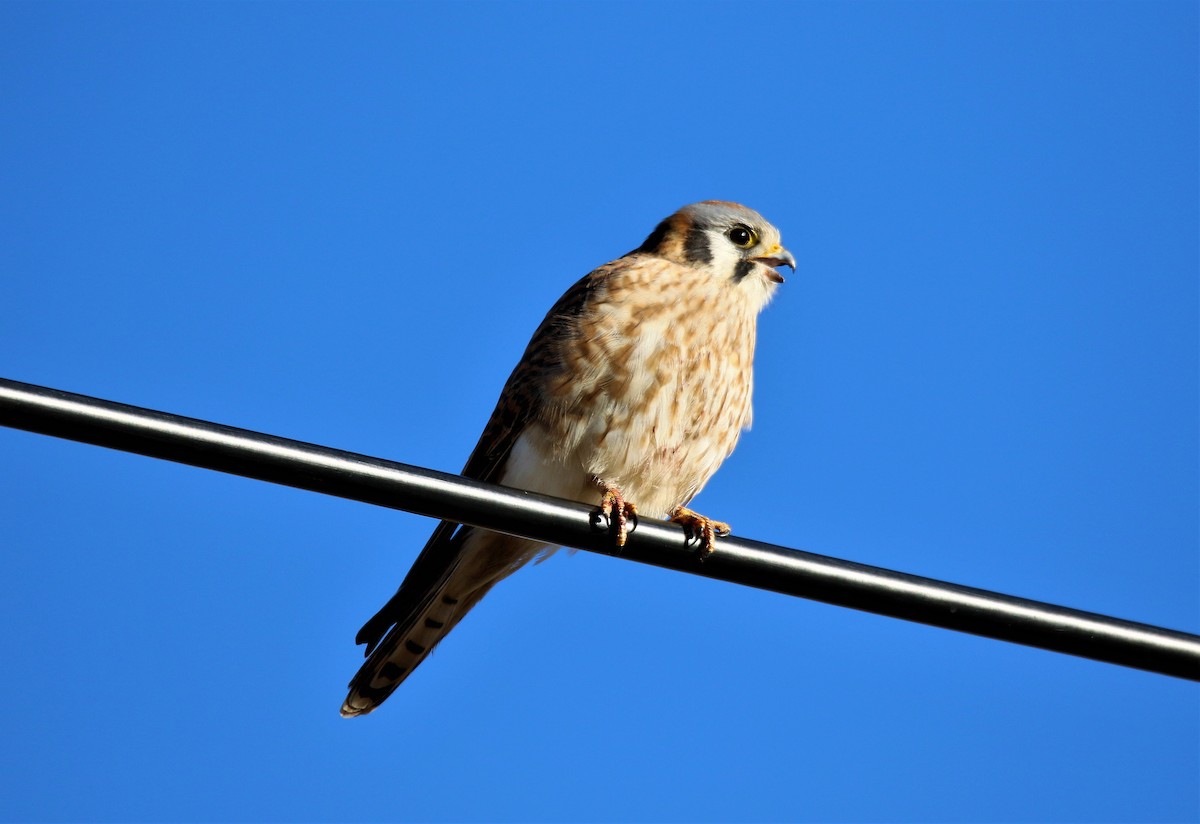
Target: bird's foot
(698,526)
(618,512)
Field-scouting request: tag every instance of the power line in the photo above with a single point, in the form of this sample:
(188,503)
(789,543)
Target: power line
(565,523)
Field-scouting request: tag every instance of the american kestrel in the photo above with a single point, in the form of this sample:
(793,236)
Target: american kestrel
(632,391)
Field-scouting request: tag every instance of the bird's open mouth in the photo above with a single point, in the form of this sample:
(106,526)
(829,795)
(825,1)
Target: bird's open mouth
(776,261)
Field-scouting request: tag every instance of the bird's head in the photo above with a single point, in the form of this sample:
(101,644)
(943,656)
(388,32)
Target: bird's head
(724,240)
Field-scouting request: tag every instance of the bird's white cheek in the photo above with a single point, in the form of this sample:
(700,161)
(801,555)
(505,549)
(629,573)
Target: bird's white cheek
(725,258)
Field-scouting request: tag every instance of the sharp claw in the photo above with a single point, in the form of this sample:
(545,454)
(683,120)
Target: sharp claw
(617,511)
(699,526)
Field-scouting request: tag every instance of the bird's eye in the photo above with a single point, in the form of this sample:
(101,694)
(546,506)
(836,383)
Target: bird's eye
(742,236)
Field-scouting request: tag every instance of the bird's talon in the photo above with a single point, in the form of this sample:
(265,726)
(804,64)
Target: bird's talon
(599,521)
(706,529)
(618,512)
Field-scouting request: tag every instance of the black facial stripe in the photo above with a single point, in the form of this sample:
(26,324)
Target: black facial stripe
(695,246)
(651,243)
(743,268)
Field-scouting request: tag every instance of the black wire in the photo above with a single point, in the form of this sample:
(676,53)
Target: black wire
(566,523)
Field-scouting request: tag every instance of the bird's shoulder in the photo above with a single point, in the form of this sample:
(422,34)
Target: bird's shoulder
(523,398)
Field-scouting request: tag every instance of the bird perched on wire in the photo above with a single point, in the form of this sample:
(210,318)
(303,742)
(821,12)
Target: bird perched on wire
(631,393)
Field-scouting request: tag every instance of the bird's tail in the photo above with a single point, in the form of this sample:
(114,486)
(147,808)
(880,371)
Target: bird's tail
(451,575)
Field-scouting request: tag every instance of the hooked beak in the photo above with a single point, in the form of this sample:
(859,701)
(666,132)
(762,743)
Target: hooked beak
(777,256)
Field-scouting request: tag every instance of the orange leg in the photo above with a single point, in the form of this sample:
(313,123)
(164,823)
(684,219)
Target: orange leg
(697,525)
(617,511)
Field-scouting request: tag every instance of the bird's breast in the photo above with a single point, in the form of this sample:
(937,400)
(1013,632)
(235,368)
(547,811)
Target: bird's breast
(652,394)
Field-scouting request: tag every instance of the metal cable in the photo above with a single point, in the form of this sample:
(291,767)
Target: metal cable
(565,523)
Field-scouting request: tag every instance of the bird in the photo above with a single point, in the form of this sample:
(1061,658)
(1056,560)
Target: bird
(631,393)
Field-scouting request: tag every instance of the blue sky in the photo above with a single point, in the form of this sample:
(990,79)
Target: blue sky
(340,223)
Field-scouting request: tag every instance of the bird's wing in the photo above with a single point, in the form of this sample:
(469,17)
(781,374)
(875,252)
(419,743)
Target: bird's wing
(522,398)
(519,403)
